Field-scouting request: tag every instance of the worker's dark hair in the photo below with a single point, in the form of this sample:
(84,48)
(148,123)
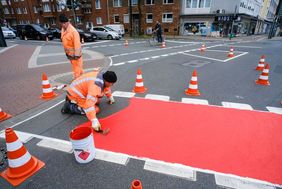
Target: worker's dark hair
(63,18)
(110,76)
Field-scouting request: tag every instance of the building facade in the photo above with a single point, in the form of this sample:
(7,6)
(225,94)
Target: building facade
(90,13)
(219,18)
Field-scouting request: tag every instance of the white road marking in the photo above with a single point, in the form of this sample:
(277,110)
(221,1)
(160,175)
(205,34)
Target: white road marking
(229,182)
(157,97)
(51,54)
(33,59)
(194,101)
(112,157)
(235,56)
(62,145)
(123,94)
(274,109)
(203,57)
(173,169)
(252,47)
(237,105)
(7,48)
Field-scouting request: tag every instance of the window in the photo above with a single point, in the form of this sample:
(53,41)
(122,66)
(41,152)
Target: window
(201,3)
(188,3)
(19,11)
(24,10)
(149,18)
(134,2)
(168,1)
(194,3)
(208,3)
(116,18)
(46,8)
(99,20)
(98,4)
(59,8)
(117,3)
(35,10)
(87,10)
(89,25)
(37,21)
(52,21)
(149,2)
(79,19)
(167,17)
(3,2)
(6,10)
(126,18)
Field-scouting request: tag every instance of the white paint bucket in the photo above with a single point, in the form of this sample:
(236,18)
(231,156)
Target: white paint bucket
(83,144)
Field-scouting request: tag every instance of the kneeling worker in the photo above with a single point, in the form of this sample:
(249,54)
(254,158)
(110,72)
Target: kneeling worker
(85,92)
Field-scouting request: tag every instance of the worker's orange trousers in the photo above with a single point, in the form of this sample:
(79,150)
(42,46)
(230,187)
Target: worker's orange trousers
(77,67)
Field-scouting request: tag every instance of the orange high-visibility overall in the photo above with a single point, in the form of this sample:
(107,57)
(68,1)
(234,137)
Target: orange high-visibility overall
(86,90)
(71,42)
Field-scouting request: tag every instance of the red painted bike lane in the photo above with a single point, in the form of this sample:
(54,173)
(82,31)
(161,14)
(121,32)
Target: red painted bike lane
(240,142)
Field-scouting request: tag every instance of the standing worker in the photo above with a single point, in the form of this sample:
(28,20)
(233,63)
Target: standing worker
(71,42)
(85,93)
(158,30)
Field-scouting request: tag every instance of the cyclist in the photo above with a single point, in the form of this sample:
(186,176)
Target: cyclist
(158,31)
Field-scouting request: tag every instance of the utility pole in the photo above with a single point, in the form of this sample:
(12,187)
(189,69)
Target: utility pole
(234,16)
(73,12)
(130,18)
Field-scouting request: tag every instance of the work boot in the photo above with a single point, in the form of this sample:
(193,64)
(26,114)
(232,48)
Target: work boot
(66,108)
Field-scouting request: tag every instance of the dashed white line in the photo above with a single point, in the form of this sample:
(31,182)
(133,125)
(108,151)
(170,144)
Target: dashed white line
(157,97)
(237,105)
(7,48)
(274,109)
(194,101)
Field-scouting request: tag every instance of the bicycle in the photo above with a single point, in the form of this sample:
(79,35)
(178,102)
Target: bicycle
(153,41)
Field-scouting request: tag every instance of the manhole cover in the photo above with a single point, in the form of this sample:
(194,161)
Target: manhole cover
(196,63)
(3,159)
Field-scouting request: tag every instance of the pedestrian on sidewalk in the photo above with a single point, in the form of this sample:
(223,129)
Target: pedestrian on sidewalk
(85,93)
(72,46)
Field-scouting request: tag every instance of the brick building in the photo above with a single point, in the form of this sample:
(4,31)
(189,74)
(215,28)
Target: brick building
(90,13)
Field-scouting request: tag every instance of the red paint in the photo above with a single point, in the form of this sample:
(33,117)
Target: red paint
(241,142)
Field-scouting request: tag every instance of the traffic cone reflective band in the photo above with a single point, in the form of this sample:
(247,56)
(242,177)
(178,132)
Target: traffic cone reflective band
(263,78)
(231,52)
(21,164)
(139,86)
(193,85)
(82,40)
(163,45)
(260,65)
(203,48)
(136,184)
(48,92)
(4,115)
(126,43)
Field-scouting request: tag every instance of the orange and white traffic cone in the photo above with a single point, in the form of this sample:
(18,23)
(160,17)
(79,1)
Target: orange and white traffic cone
(203,48)
(48,92)
(260,65)
(263,78)
(25,38)
(82,40)
(231,52)
(4,115)
(21,164)
(126,43)
(193,85)
(47,39)
(163,45)
(136,184)
(139,85)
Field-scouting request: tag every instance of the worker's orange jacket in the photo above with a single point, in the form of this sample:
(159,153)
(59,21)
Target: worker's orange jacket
(86,90)
(71,42)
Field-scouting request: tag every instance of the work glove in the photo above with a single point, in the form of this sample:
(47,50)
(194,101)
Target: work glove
(96,125)
(111,100)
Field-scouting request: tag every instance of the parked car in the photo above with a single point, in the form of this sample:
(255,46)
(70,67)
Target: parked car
(56,32)
(117,27)
(87,36)
(33,31)
(8,34)
(105,33)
